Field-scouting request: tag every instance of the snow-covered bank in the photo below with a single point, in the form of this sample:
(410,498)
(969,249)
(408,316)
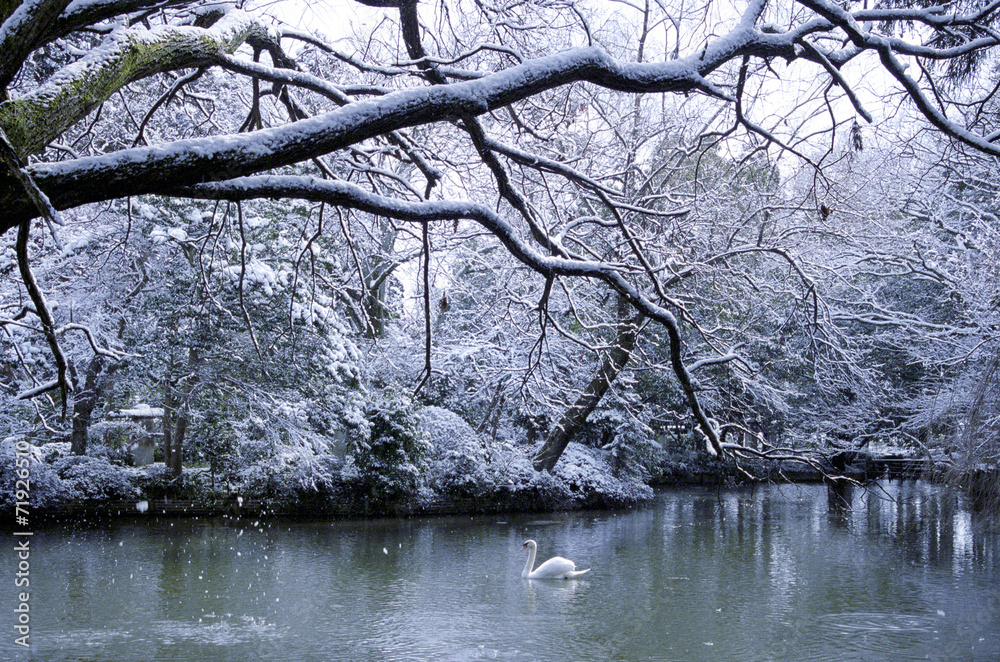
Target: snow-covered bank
(457,471)
(461,472)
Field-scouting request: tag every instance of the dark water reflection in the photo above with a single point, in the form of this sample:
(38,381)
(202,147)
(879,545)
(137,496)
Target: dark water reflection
(779,572)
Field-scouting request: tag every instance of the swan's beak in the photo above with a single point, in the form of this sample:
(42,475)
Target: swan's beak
(524,546)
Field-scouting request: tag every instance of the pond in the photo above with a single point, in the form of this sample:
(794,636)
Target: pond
(778,572)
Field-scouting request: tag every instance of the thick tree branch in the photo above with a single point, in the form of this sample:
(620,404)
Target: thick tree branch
(21,31)
(44,315)
(128,54)
(151,169)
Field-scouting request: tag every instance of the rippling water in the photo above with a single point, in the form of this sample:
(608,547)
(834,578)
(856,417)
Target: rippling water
(778,572)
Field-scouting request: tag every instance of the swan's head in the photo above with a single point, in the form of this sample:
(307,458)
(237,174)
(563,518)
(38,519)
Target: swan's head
(529,543)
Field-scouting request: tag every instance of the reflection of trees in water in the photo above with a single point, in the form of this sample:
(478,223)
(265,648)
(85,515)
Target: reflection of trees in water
(977,448)
(769,532)
(839,500)
(930,523)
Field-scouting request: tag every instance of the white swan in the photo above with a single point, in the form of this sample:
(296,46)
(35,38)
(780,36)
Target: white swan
(555,568)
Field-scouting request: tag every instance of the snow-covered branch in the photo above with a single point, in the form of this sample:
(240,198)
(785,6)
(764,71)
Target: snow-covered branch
(148,170)
(128,54)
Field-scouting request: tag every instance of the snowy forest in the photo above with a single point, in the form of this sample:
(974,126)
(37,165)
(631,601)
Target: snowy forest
(519,253)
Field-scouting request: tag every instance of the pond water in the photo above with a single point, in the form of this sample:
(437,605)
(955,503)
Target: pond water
(779,572)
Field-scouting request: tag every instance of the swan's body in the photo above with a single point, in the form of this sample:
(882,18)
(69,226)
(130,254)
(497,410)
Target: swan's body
(555,568)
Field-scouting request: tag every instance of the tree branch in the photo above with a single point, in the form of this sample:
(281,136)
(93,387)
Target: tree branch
(154,169)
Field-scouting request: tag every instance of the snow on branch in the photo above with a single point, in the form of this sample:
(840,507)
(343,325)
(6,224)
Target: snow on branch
(20,32)
(94,345)
(38,390)
(15,167)
(890,49)
(128,54)
(151,169)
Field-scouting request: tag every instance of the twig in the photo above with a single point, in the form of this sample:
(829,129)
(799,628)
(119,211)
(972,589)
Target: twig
(243,271)
(427,308)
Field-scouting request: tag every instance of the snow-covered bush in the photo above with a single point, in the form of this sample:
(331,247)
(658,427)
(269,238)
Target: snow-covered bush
(633,450)
(292,473)
(54,450)
(96,479)
(457,455)
(47,490)
(590,477)
(157,481)
(582,478)
(464,465)
(56,477)
(501,475)
(386,450)
(517,486)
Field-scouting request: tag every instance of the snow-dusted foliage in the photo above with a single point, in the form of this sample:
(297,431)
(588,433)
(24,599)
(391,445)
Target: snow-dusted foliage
(585,479)
(47,490)
(288,474)
(115,439)
(498,475)
(95,479)
(623,233)
(57,478)
(457,454)
(386,451)
(590,477)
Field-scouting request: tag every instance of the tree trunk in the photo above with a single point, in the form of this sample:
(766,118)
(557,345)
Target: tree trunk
(83,406)
(373,300)
(575,417)
(168,423)
(175,418)
(175,464)
(175,422)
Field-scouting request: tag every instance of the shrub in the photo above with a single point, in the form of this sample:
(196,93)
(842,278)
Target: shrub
(96,479)
(457,455)
(47,489)
(387,450)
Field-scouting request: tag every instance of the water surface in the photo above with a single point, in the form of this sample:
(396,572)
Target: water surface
(787,572)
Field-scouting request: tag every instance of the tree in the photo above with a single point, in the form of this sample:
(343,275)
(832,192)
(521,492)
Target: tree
(925,298)
(462,109)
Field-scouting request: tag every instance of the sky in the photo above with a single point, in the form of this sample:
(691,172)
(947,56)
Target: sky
(334,18)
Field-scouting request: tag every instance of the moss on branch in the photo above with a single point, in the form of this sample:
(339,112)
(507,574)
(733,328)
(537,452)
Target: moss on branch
(32,121)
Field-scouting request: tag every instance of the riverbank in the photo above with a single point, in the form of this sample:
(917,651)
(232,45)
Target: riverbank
(189,496)
(183,501)
(61,486)
(461,475)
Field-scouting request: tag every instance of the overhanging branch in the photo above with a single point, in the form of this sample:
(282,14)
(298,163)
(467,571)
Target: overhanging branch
(154,169)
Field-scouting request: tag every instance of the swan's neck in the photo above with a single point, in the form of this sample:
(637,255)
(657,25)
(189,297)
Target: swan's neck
(531,560)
